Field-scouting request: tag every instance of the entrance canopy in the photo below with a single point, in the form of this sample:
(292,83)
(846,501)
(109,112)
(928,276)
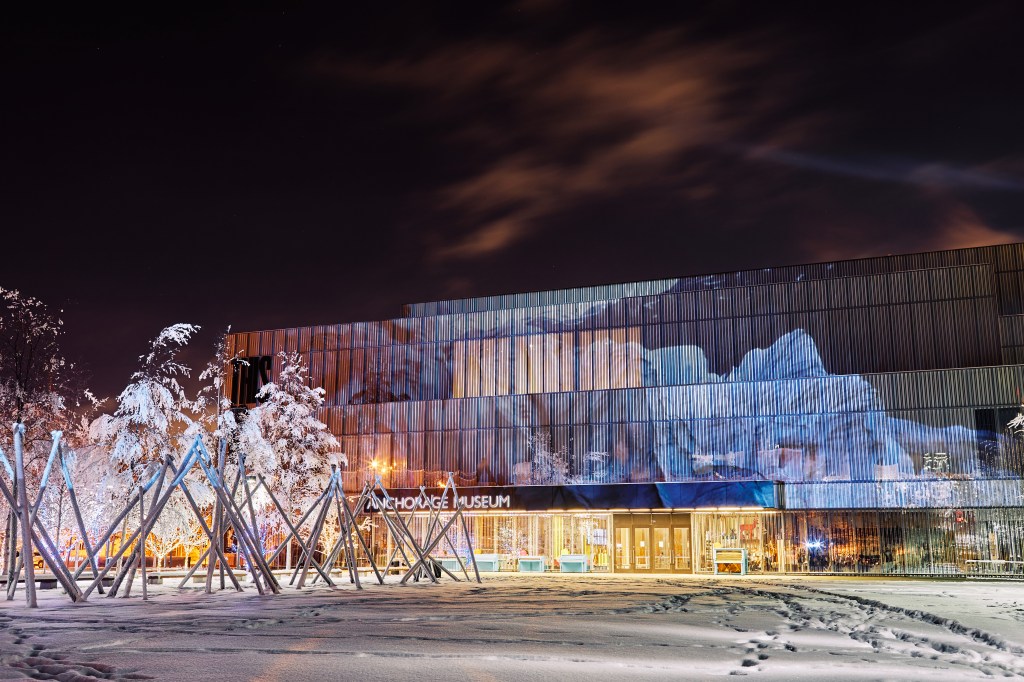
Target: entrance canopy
(604,497)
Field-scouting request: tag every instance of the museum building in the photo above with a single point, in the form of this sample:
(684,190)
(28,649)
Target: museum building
(840,417)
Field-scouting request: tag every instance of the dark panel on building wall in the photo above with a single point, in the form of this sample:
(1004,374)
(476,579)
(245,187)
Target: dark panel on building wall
(708,495)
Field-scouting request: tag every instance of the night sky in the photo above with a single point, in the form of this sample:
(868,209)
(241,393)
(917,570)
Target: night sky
(268,165)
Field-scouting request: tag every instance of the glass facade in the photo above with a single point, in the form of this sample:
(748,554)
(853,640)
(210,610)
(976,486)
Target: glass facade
(877,392)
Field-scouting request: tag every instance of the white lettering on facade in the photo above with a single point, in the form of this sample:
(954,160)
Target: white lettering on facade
(418,503)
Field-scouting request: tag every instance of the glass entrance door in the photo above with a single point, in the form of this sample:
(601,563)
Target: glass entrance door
(622,534)
(642,549)
(682,549)
(652,543)
(662,548)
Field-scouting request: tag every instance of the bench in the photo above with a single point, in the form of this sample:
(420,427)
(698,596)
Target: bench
(488,562)
(41,583)
(450,563)
(730,560)
(994,566)
(573,563)
(532,564)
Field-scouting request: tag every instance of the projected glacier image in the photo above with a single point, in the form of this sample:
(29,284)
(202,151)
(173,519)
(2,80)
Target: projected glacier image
(781,415)
(652,408)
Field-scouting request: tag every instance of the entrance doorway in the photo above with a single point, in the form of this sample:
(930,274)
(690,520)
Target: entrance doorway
(652,543)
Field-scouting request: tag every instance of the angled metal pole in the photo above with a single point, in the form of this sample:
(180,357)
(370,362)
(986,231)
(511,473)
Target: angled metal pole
(46,473)
(425,556)
(393,531)
(142,545)
(294,527)
(235,513)
(352,514)
(465,529)
(26,523)
(128,570)
(396,536)
(343,503)
(217,549)
(469,544)
(43,541)
(435,519)
(158,507)
(120,517)
(249,504)
(13,564)
(111,562)
(347,532)
(10,549)
(339,545)
(218,529)
(293,531)
(314,537)
(91,556)
(257,563)
(240,535)
(408,519)
(237,519)
(450,486)
(389,502)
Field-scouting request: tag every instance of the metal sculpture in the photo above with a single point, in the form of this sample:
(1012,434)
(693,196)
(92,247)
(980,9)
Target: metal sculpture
(164,478)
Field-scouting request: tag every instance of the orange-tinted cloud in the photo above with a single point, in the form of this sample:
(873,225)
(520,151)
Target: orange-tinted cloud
(587,118)
(718,126)
(960,227)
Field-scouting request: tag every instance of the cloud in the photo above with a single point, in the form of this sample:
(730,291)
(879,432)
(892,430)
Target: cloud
(721,133)
(556,125)
(936,225)
(921,174)
(960,227)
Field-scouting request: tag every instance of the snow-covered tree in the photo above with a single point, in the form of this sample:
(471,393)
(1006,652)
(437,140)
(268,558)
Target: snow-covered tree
(154,416)
(212,405)
(162,539)
(285,440)
(169,529)
(86,465)
(192,538)
(329,534)
(39,388)
(32,367)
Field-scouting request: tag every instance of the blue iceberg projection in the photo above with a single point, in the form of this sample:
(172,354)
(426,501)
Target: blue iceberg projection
(780,415)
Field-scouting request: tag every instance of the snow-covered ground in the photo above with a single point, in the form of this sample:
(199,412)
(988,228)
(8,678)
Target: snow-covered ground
(531,628)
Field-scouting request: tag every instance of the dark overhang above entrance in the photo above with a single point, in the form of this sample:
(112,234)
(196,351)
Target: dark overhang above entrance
(605,497)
